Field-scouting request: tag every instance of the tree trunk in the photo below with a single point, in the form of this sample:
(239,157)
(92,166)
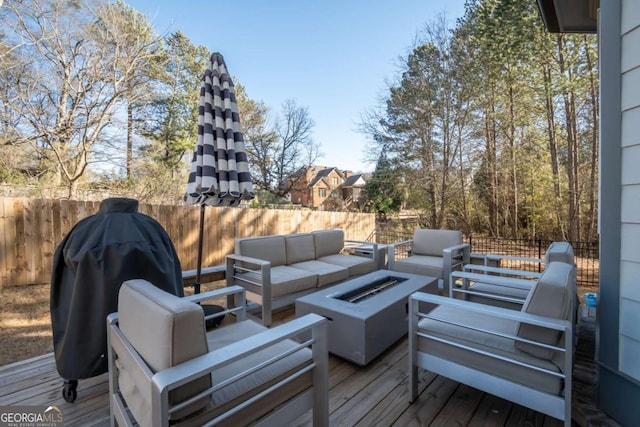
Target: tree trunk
(129,139)
(512,152)
(553,148)
(593,97)
(572,166)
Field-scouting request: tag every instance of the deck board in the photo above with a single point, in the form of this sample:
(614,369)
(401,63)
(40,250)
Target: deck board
(376,394)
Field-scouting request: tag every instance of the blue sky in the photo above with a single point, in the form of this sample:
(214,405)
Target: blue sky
(331,56)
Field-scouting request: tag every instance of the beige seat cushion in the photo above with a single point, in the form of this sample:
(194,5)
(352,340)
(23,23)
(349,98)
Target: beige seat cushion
(327,273)
(485,342)
(550,297)
(285,280)
(238,391)
(267,248)
(433,242)
(420,264)
(356,265)
(165,331)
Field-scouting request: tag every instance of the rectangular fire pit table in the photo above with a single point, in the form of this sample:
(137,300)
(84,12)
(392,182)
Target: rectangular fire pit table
(366,314)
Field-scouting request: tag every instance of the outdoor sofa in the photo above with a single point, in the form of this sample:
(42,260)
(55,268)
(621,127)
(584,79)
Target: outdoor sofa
(165,368)
(523,356)
(277,269)
(431,252)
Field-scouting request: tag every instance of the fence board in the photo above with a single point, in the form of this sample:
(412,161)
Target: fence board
(11,236)
(4,249)
(31,230)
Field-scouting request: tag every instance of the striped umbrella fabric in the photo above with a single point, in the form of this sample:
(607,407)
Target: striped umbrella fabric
(219,174)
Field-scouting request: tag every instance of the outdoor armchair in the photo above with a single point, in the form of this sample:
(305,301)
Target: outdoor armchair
(433,253)
(521,356)
(164,367)
(491,285)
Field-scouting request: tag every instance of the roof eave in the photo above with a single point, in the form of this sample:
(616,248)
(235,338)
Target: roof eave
(569,16)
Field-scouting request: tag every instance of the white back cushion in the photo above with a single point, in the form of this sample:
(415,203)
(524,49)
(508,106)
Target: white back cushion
(267,248)
(300,247)
(433,242)
(550,297)
(328,242)
(165,330)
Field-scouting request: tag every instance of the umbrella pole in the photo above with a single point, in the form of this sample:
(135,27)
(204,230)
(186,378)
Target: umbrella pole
(196,286)
(207,308)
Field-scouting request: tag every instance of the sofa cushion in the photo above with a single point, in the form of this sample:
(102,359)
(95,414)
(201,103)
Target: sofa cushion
(165,330)
(420,264)
(433,242)
(300,247)
(550,297)
(267,248)
(356,265)
(483,341)
(328,274)
(285,280)
(328,242)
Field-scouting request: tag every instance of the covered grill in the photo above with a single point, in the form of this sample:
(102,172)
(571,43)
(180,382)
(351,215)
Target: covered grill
(90,264)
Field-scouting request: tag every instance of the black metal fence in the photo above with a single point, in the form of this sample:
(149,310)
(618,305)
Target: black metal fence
(586,253)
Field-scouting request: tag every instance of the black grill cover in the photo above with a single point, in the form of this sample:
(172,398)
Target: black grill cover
(90,264)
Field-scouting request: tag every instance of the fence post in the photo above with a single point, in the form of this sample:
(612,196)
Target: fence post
(539,254)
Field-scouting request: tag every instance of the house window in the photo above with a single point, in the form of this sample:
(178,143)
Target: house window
(322,192)
(334,181)
(334,194)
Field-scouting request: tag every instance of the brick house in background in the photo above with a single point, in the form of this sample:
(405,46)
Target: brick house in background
(353,188)
(321,187)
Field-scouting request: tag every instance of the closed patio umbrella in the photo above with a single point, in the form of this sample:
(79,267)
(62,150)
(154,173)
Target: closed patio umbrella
(219,174)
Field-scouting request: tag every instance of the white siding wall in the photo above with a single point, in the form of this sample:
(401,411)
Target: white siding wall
(630,176)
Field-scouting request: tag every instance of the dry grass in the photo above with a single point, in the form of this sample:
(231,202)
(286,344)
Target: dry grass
(25,321)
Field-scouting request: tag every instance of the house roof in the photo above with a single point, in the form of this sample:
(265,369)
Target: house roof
(569,16)
(323,174)
(352,180)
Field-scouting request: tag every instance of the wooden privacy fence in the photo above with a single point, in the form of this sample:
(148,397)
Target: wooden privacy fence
(31,229)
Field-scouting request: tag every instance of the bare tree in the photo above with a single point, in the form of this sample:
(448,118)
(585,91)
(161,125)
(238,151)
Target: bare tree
(296,149)
(73,80)
(277,154)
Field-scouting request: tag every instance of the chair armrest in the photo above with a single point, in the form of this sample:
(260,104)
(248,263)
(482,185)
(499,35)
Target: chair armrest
(239,263)
(168,379)
(510,282)
(501,271)
(360,243)
(497,257)
(248,260)
(260,285)
(453,258)
(216,293)
(391,252)
(463,249)
(499,312)
(234,305)
(207,274)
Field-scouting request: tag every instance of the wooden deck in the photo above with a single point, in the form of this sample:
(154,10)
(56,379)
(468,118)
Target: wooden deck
(373,395)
